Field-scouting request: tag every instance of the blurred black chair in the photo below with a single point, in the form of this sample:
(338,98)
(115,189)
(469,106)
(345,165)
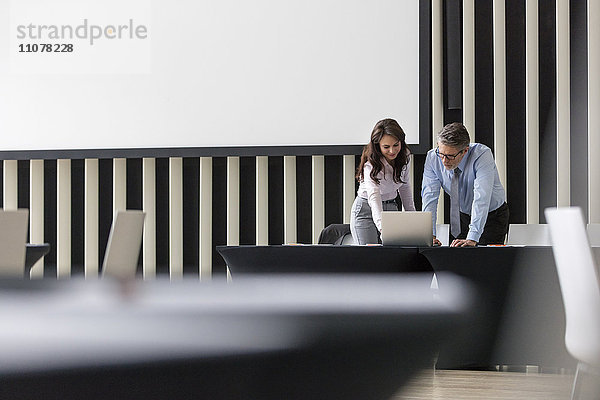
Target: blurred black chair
(336,234)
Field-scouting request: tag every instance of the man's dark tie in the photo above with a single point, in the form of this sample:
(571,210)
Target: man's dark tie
(455,205)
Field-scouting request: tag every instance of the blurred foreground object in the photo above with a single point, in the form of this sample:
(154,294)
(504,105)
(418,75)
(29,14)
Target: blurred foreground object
(578,276)
(269,337)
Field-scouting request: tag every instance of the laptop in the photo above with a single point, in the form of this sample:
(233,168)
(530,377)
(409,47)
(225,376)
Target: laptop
(406,228)
(124,241)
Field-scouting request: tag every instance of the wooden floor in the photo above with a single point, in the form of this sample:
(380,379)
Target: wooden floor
(444,384)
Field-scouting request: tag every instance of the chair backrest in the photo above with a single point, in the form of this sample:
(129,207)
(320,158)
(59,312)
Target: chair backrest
(336,234)
(13,239)
(593,232)
(579,284)
(124,241)
(442,233)
(528,235)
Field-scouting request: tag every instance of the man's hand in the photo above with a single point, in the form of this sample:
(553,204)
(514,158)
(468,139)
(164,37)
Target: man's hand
(436,242)
(463,243)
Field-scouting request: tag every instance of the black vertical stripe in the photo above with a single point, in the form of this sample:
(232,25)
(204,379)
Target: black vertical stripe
(419,166)
(275,200)
(248,200)
(334,201)
(357,159)
(50,217)
(452,61)
(484,73)
(425,106)
(446,208)
(2,182)
(105,204)
(162,216)
(579,106)
(23,184)
(77,217)
(219,212)
(453,54)
(191,204)
(133,196)
(547,114)
(515,109)
(304,198)
(134,184)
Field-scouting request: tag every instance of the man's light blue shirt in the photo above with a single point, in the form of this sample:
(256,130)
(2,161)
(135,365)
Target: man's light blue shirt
(479,186)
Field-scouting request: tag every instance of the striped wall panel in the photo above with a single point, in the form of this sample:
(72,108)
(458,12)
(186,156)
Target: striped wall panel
(526,90)
(36,211)
(499,86)
(90,251)
(593,117)
(437,80)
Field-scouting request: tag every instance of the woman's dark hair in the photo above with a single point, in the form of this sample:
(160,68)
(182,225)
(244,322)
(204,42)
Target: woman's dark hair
(372,151)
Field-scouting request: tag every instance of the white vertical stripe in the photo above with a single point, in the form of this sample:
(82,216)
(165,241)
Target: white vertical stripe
(289,200)
(469,67)
(36,212)
(233,204)
(318,196)
(563,104)
(499,33)
(119,185)
(149,206)
(594,110)
(348,185)
(90,219)
(63,219)
(233,201)
(175,218)
(205,218)
(437,84)
(10,185)
(532,112)
(262,200)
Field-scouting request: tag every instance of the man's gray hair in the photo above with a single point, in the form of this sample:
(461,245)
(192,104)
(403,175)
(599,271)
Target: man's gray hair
(454,135)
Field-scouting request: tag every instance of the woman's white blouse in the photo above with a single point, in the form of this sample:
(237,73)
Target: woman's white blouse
(386,190)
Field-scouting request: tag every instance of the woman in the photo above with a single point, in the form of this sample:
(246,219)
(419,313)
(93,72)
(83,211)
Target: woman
(383,173)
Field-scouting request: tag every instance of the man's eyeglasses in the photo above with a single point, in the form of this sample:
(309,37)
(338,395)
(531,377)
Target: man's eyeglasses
(448,156)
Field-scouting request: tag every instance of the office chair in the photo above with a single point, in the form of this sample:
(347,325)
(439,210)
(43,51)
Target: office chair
(528,235)
(337,234)
(13,239)
(580,289)
(593,232)
(124,241)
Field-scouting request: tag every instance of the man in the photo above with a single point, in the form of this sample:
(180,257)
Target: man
(467,172)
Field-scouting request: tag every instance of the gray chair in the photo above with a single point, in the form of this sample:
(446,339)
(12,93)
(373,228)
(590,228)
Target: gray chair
(528,235)
(124,241)
(13,240)
(578,277)
(593,232)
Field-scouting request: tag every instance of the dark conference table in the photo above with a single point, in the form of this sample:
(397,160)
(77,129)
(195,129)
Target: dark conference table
(322,259)
(520,317)
(267,337)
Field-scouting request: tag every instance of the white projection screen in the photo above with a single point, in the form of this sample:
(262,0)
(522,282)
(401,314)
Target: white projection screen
(208,73)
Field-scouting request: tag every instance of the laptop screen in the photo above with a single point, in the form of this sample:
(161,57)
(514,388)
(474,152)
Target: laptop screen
(406,228)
